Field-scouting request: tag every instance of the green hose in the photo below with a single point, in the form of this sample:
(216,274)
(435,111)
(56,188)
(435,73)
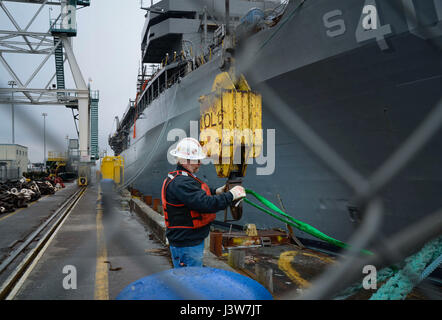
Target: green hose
(295,223)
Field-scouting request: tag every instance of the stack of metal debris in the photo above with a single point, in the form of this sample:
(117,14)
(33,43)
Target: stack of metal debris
(18,193)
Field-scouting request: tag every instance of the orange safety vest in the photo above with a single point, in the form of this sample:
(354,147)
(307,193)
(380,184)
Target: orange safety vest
(178,215)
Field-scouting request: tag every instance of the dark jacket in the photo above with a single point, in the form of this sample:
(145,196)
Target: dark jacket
(186,190)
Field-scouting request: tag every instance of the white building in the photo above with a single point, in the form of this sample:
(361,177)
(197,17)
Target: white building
(13,160)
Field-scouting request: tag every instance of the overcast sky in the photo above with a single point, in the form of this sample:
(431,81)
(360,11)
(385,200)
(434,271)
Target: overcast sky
(107,48)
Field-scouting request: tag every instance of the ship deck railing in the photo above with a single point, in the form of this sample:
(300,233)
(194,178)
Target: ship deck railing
(152,92)
(155,87)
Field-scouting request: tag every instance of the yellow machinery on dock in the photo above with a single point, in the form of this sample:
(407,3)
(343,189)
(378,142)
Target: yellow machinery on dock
(82,181)
(112,168)
(84,172)
(56,161)
(231,129)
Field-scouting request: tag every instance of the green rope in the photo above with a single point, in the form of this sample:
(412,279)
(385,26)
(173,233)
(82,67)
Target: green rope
(295,223)
(401,278)
(403,282)
(381,276)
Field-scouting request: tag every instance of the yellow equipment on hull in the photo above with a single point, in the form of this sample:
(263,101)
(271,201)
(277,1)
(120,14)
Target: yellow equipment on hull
(231,129)
(231,125)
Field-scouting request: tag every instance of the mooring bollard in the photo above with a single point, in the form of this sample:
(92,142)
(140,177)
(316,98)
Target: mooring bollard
(148,200)
(216,242)
(156,204)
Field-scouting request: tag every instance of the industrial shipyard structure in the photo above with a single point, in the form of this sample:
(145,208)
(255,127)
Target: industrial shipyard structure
(328,113)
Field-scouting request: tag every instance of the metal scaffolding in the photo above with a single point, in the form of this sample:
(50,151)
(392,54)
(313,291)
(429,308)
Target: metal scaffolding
(57,41)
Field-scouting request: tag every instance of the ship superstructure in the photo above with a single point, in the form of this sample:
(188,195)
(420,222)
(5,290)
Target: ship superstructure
(177,38)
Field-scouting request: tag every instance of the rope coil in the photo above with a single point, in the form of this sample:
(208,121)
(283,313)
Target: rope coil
(413,272)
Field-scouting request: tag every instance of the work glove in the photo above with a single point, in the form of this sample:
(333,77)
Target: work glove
(238,192)
(221,189)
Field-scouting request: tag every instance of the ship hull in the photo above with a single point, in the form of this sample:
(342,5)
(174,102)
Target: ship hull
(363,99)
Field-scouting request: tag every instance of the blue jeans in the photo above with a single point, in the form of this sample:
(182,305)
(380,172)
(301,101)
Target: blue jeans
(187,256)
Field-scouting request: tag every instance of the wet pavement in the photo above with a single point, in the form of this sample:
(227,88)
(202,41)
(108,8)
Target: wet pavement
(98,251)
(15,226)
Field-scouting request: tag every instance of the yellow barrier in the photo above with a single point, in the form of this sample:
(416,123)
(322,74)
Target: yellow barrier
(112,168)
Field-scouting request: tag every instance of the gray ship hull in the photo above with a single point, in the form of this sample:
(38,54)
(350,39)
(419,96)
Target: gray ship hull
(364,98)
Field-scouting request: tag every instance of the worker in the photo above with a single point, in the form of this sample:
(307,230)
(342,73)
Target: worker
(189,205)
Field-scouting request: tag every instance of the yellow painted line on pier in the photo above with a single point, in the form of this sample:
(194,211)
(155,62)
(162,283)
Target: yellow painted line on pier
(101,272)
(327,260)
(19,210)
(285,264)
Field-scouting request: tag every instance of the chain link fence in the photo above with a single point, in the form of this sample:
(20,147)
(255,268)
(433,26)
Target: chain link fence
(367,191)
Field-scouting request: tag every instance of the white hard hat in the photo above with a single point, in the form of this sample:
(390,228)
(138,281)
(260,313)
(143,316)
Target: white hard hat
(188,148)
